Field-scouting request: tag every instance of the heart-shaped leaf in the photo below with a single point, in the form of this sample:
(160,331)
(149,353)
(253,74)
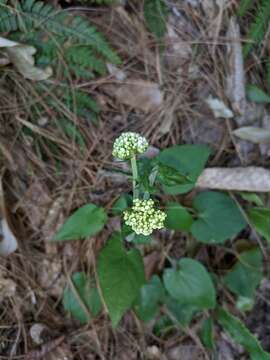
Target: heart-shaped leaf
(191,284)
(121,276)
(149,299)
(246,274)
(187,163)
(219,218)
(178,218)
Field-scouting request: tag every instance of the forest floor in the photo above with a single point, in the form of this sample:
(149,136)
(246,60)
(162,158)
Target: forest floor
(164,95)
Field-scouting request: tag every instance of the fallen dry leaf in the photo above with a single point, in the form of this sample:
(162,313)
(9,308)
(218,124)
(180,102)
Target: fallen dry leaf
(21,56)
(51,276)
(252,178)
(177,50)
(235,88)
(219,109)
(8,241)
(138,94)
(7,287)
(253,134)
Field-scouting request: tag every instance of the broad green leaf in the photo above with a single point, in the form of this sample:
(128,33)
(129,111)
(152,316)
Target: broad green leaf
(260,219)
(257,95)
(178,218)
(155,14)
(191,284)
(252,198)
(240,334)
(219,218)
(207,333)
(245,276)
(121,204)
(187,161)
(181,313)
(86,221)
(121,275)
(83,296)
(150,297)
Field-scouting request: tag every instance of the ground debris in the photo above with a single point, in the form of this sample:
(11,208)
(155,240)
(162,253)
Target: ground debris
(138,94)
(7,287)
(252,178)
(8,241)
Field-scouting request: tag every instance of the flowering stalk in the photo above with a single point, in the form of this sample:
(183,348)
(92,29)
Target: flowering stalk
(142,217)
(134,177)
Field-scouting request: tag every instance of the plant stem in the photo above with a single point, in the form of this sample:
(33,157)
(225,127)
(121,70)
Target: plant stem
(134,177)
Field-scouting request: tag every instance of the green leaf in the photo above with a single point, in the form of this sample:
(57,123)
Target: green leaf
(245,276)
(182,313)
(150,297)
(187,161)
(207,333)
(257,95)
(83,296)
(219,218)
(155,14)
(240,334)
(122,203)
(191,284)
(86,221)
(252,198)
(121,275)
(178,218)
(260,219)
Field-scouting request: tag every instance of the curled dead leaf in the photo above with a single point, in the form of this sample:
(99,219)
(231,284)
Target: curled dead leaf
(21,56)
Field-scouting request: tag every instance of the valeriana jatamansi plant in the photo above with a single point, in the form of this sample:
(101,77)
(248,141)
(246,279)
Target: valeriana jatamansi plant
(184,290)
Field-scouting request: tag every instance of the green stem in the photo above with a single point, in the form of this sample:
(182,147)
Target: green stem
(134,177)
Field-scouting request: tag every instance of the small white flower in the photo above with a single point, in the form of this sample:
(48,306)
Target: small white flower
(143,218)
(128,144)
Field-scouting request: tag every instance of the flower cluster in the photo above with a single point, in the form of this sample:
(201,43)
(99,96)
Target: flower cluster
(128,144)
(143,217)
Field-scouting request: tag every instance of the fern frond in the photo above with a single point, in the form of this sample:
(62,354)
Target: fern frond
(155,15)
(83,58)
(259,27)
(30,14)
(244,6)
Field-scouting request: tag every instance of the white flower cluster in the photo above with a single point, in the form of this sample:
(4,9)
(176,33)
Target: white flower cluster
(143,217)
(128,144)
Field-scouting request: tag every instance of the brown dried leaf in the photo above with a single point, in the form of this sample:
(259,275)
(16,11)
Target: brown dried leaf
(7,287)
(8,241)
(254,179)
(236,75)
(51,276)
(138,94)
